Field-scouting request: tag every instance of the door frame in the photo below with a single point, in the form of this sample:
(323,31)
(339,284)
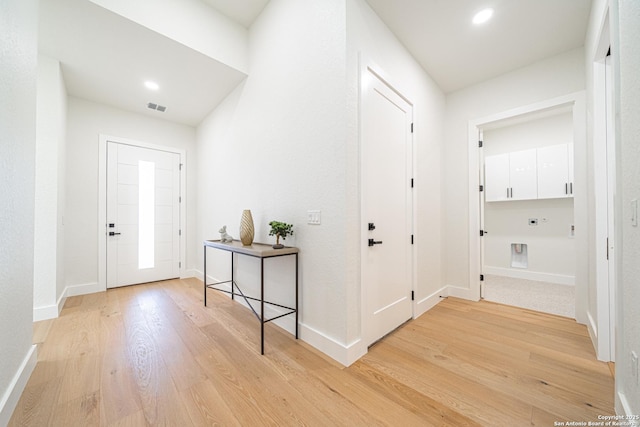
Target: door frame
(577,102)
(367,65)
(602,329)
(102,201)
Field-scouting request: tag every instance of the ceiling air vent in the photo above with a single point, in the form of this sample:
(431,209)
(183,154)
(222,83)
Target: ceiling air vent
(157,107)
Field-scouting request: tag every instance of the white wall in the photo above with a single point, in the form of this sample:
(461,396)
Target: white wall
(626,53)
(85,122)
(50,185)
(193,23)
(287,142)
(553,77)
(18,68)
(551,251)
(276,146)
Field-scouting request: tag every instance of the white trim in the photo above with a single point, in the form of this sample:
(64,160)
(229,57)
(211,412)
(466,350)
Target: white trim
(430,301)
(50,311)
(84,289)
(192,272)
(102,202)
(624,409)
(12,395)
(344,354)
(559,279)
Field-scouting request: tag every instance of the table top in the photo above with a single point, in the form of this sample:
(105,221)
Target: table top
(260,250)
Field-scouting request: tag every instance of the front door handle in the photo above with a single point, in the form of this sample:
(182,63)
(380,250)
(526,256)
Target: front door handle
(373,242)
(112,233)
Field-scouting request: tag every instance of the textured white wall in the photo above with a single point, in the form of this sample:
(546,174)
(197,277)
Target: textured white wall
(550,249)
(18,63)
(190,22)
(49,203)
(547,79)
(626,52)
(85,122)
(277,146)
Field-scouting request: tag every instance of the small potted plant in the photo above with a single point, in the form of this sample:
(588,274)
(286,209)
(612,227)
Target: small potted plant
(280,229)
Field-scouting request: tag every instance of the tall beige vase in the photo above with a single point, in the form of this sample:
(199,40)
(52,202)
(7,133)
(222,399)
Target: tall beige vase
(246,228)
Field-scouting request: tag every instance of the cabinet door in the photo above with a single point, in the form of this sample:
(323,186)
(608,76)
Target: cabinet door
(496,177)
(522,175)
(553,172)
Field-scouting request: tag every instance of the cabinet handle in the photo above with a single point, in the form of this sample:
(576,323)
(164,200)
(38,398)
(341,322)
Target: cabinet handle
(571,188)
(512,192)
(566,188)
(507,192)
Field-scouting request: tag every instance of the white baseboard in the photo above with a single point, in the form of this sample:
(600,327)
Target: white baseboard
(191,273)
(45,312)
(50,311)
(344,354)
(559,279)
(16,387)
(429,302)
(623,408)
(84,289)
(463,293)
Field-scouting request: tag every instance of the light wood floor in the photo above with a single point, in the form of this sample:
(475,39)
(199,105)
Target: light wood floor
(153,355)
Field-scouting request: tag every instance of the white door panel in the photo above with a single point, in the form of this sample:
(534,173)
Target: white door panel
(142,181)
(386,202)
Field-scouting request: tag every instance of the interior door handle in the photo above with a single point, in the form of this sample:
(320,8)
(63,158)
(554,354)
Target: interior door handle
(373,242)
(112,233)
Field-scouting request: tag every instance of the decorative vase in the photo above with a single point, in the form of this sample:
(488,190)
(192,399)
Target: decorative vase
(246,228)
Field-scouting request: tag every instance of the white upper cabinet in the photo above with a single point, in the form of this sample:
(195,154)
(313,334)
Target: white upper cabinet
(496,177)
(538,173)
(522,174)
(511,176)
(555,171)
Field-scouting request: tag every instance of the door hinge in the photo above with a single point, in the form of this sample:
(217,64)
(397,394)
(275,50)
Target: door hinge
(179,232)
(479,144)
(412,239)
(180,167)
(411,182)
(481,188)
(481,233)
(411,127)
(179,264)
(482,277)
(413,295)
(179,199)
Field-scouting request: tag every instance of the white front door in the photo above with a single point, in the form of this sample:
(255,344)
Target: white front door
(143,214)
(386,207)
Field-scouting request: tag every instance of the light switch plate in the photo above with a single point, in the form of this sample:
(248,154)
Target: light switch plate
(314,217)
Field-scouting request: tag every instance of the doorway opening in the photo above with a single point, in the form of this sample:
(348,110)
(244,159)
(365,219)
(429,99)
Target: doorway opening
(528,244)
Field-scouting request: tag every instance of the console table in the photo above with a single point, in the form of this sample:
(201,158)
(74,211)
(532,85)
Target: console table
(256,250)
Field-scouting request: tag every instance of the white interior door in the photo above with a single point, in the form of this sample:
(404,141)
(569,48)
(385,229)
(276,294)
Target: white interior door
(386,208)
(611,196)
(143,214)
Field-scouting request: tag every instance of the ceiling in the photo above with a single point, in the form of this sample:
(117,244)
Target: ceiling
(456,54)
(106,58)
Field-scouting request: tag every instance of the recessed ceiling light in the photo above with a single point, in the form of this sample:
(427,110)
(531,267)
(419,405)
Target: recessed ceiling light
(482,16)
(151,85)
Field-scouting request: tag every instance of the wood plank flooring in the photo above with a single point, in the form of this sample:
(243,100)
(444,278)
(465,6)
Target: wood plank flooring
(153,355)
